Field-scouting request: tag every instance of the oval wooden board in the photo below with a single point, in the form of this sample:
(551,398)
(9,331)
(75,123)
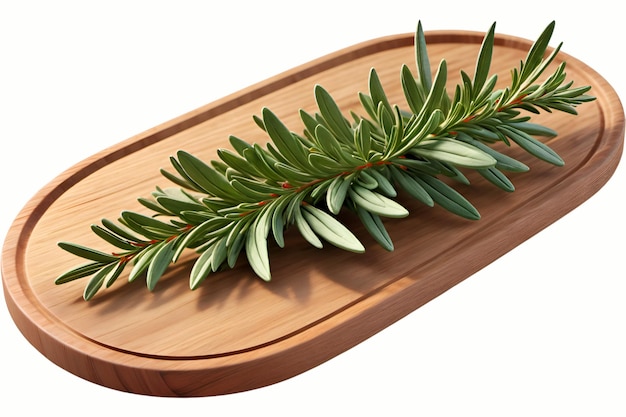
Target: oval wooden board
(236,332)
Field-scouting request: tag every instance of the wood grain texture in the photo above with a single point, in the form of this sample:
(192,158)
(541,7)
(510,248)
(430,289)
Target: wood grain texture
(236,332)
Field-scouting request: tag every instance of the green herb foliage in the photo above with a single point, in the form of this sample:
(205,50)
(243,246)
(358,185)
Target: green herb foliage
(234,204)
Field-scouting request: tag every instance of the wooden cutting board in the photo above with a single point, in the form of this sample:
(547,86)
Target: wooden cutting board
(236,332)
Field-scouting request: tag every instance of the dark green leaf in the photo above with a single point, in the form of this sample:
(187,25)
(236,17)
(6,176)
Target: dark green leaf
(79,272)
(154,206)
(537,51)
(411,186)
(95,283)
(414,95)
(291,149)
(484,61)
(448,198)
(112,238)
(421,59)
(206,177)
(377,93)
(496,177)
(87,253)
(145,224)
(238,163)
(332,115)
(533,146)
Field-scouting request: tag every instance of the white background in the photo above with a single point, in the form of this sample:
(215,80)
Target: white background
(540,332)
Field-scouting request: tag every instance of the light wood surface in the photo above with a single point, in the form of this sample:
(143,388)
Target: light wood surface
(236,332)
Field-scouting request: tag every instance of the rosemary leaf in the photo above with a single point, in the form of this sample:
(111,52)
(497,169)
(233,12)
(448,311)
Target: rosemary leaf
(87,253)
(331,230)
(159,263)
(376,203)
(454,152)
(96,281)
(375,227)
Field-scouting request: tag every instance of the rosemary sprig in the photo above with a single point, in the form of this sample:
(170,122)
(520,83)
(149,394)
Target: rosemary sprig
(232,204)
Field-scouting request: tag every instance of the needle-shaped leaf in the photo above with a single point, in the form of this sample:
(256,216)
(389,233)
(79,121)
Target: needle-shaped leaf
(206,177)
(374,225)
(437,90)
(448,198)
(537,51)
(120,230)
(363,139)
(414,95)
(483,62)
(238,162)
(375,202)
(154,206)
(305,229)
(142,261)
(328,143)
(292,174)
(159,263)
(454,152)
(96,282)
(408,182)
(364,179)
(256,246)
(234,247)
(148,226)
(337,192)
(533,146)
(79,272)
(284,140)
(87,253)
(503,162)
(377,92)
(323,161)
(422,60)
(384,185)
(331,230)
(177,206)
(201,268)
(112,238)
(114,274)
(331,113)
(496,177)
(278,220)
(252,194)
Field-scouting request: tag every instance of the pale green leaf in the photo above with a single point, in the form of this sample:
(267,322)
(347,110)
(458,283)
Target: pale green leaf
(454,152)
(159,263)
(331,230)
(375,202)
